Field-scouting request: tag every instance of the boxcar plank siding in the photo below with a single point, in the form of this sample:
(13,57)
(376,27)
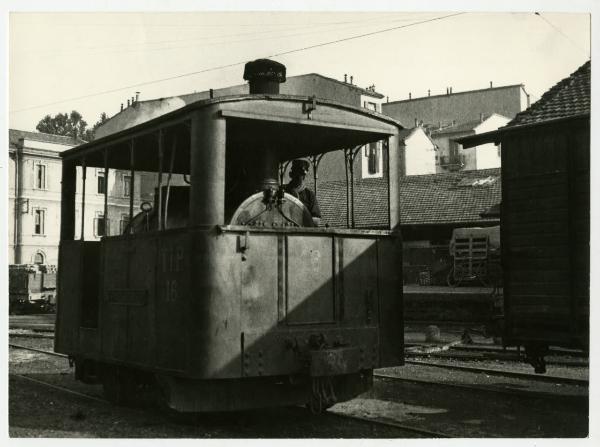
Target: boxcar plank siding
(545,232)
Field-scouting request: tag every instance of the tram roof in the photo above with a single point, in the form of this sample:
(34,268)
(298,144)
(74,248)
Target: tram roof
(179,116)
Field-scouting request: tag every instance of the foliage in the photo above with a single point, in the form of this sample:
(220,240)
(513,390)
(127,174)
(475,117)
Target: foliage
(70,125)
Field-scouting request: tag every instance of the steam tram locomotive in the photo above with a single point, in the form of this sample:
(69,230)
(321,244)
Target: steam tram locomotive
(222,293)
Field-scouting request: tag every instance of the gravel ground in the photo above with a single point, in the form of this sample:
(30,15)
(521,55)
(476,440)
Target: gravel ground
(466,413)
(36,411)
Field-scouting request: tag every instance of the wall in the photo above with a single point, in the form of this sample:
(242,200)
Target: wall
(48,199)
(488,155)
(462,106)
(420,154)
(32,198)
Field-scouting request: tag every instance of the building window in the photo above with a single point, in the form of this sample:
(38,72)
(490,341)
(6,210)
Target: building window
(39,221)
(101,182)
(371,106)
(38,258)
(40,176)
(126,185)
(123,223)
(372,160)
(100,226)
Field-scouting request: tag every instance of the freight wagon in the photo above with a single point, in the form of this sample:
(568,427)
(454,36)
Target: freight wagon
(545,219)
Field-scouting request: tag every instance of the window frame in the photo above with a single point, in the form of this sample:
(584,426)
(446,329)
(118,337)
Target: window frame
(39,213)
(37,167)
(100,174)
(367,150)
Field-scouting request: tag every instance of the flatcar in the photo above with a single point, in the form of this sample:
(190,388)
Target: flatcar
(222,293)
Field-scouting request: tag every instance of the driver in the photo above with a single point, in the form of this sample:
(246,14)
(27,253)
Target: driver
(297,188)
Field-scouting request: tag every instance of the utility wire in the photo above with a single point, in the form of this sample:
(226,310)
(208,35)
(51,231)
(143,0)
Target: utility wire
(234,64)
(587,55)
(336,26)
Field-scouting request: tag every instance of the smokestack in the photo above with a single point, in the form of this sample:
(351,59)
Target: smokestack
(351,78)
(264,76)
(428,92)
(490,84)
(387,99)
(121,107)
(450,90)
(137,96)
(211,94)
(132,100)
(447,91)
(345,78)
(127,103)
(409,95)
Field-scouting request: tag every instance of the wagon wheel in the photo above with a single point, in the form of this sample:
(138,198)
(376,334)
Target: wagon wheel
(451,280)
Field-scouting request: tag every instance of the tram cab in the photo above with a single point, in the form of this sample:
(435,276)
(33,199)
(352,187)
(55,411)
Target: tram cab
(219,288)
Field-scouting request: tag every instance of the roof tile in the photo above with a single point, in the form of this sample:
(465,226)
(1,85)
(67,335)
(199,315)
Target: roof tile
(569,97)
(447,198)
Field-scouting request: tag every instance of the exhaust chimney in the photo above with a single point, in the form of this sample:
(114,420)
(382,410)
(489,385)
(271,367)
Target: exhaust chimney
(409,95)
(428,92)
(490,84)
(264,76)
(137,96)
(345,78)
(127,103)
(351,78)
(121,107)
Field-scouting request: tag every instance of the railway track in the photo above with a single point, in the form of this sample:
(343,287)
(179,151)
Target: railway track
(386,423)
(481,389)
(504,373)
(376,422)
(488,371)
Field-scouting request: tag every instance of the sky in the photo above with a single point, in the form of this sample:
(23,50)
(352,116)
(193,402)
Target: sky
(60,62)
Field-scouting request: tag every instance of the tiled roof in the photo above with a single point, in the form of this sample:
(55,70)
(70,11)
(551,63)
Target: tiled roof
(462,127)
(570,97)
(15,135)
(447,198)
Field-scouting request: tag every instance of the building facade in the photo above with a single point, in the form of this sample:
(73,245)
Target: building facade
(440,111)
(34,172)
(454,115)
(451,155)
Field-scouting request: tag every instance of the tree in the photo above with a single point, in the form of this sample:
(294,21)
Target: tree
(90,133)
(71,125)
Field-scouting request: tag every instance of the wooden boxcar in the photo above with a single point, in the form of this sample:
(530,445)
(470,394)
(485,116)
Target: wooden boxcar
(545,219)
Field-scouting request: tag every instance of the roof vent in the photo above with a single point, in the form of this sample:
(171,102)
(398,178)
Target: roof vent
(264,76)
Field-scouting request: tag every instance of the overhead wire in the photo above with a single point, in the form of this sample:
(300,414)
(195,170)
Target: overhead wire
(204,39)
(586,53)
(234,64)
